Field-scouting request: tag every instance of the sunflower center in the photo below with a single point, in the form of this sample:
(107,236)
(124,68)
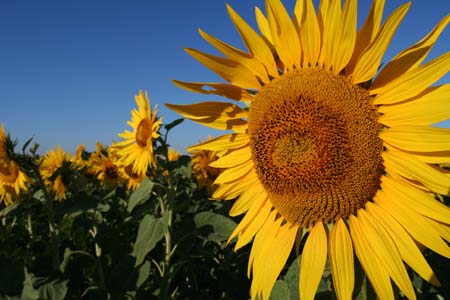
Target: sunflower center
(143,132)
(9,173)
(315,144)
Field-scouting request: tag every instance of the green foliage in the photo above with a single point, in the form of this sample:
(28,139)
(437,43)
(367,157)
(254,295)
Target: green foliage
(141,194)
(150,232)
(165,240)
(222,226)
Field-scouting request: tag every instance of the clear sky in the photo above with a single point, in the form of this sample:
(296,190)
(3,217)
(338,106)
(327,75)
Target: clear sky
(69,69)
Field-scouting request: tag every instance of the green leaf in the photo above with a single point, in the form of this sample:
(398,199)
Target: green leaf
(173,124)
(28,292)
(326,283)
(6,297)
(25,145)
(42,288)
(65,261)
(141,194)
(53,290)
(150,232)
(222,226)
(144,272)
(280,291)
(39,195)
(8,209)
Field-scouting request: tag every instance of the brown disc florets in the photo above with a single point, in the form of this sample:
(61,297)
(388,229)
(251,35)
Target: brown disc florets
(143,132)
(315,144)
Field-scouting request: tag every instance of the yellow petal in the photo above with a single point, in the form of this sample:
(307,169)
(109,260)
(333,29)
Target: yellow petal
(223,143)
(254,42)
(418,138)
(416,225)
(369,61)
(408,58)
(276,256)
(237,55)
(330,15)
(370,261)
(233,189)
(367,33)
(429,107)
(398,163)
(310,35)
(298,15)
(248,232)
(245,201)
(222,89)
(415,199)
(427,157)
(344,49)
(341,260)
(263,26)
(234,158)
(232,71)
(264,236)
(414,82)
(442,229)
(313,261)
(405,244)
(218,115)
(284,34)
(256,210)
(232,174)
(385,248)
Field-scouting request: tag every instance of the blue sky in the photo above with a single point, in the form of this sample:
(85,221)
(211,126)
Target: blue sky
(69,69)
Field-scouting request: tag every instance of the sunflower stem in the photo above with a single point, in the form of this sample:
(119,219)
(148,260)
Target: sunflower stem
(98,257)
(54,241)
(166,270)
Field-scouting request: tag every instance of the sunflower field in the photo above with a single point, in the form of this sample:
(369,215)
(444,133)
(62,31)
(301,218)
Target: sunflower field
(330,181)
(88,227)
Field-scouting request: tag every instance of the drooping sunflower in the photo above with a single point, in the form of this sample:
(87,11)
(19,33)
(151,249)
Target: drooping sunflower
(79,159)
(52,161)
(137,147)
(324,144)
(131,179)
(103,164)
(13,181)
(202,168)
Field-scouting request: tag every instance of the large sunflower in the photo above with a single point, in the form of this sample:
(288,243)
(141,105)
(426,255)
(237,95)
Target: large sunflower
(137,147)
(321,138)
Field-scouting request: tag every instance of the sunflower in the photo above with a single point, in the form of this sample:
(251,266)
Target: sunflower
(173,154)
(13,180)
(325,144)
(79,158)
(202,169)
(51,162)
(3,154)
(104,165)
(132,179)
(137,147)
